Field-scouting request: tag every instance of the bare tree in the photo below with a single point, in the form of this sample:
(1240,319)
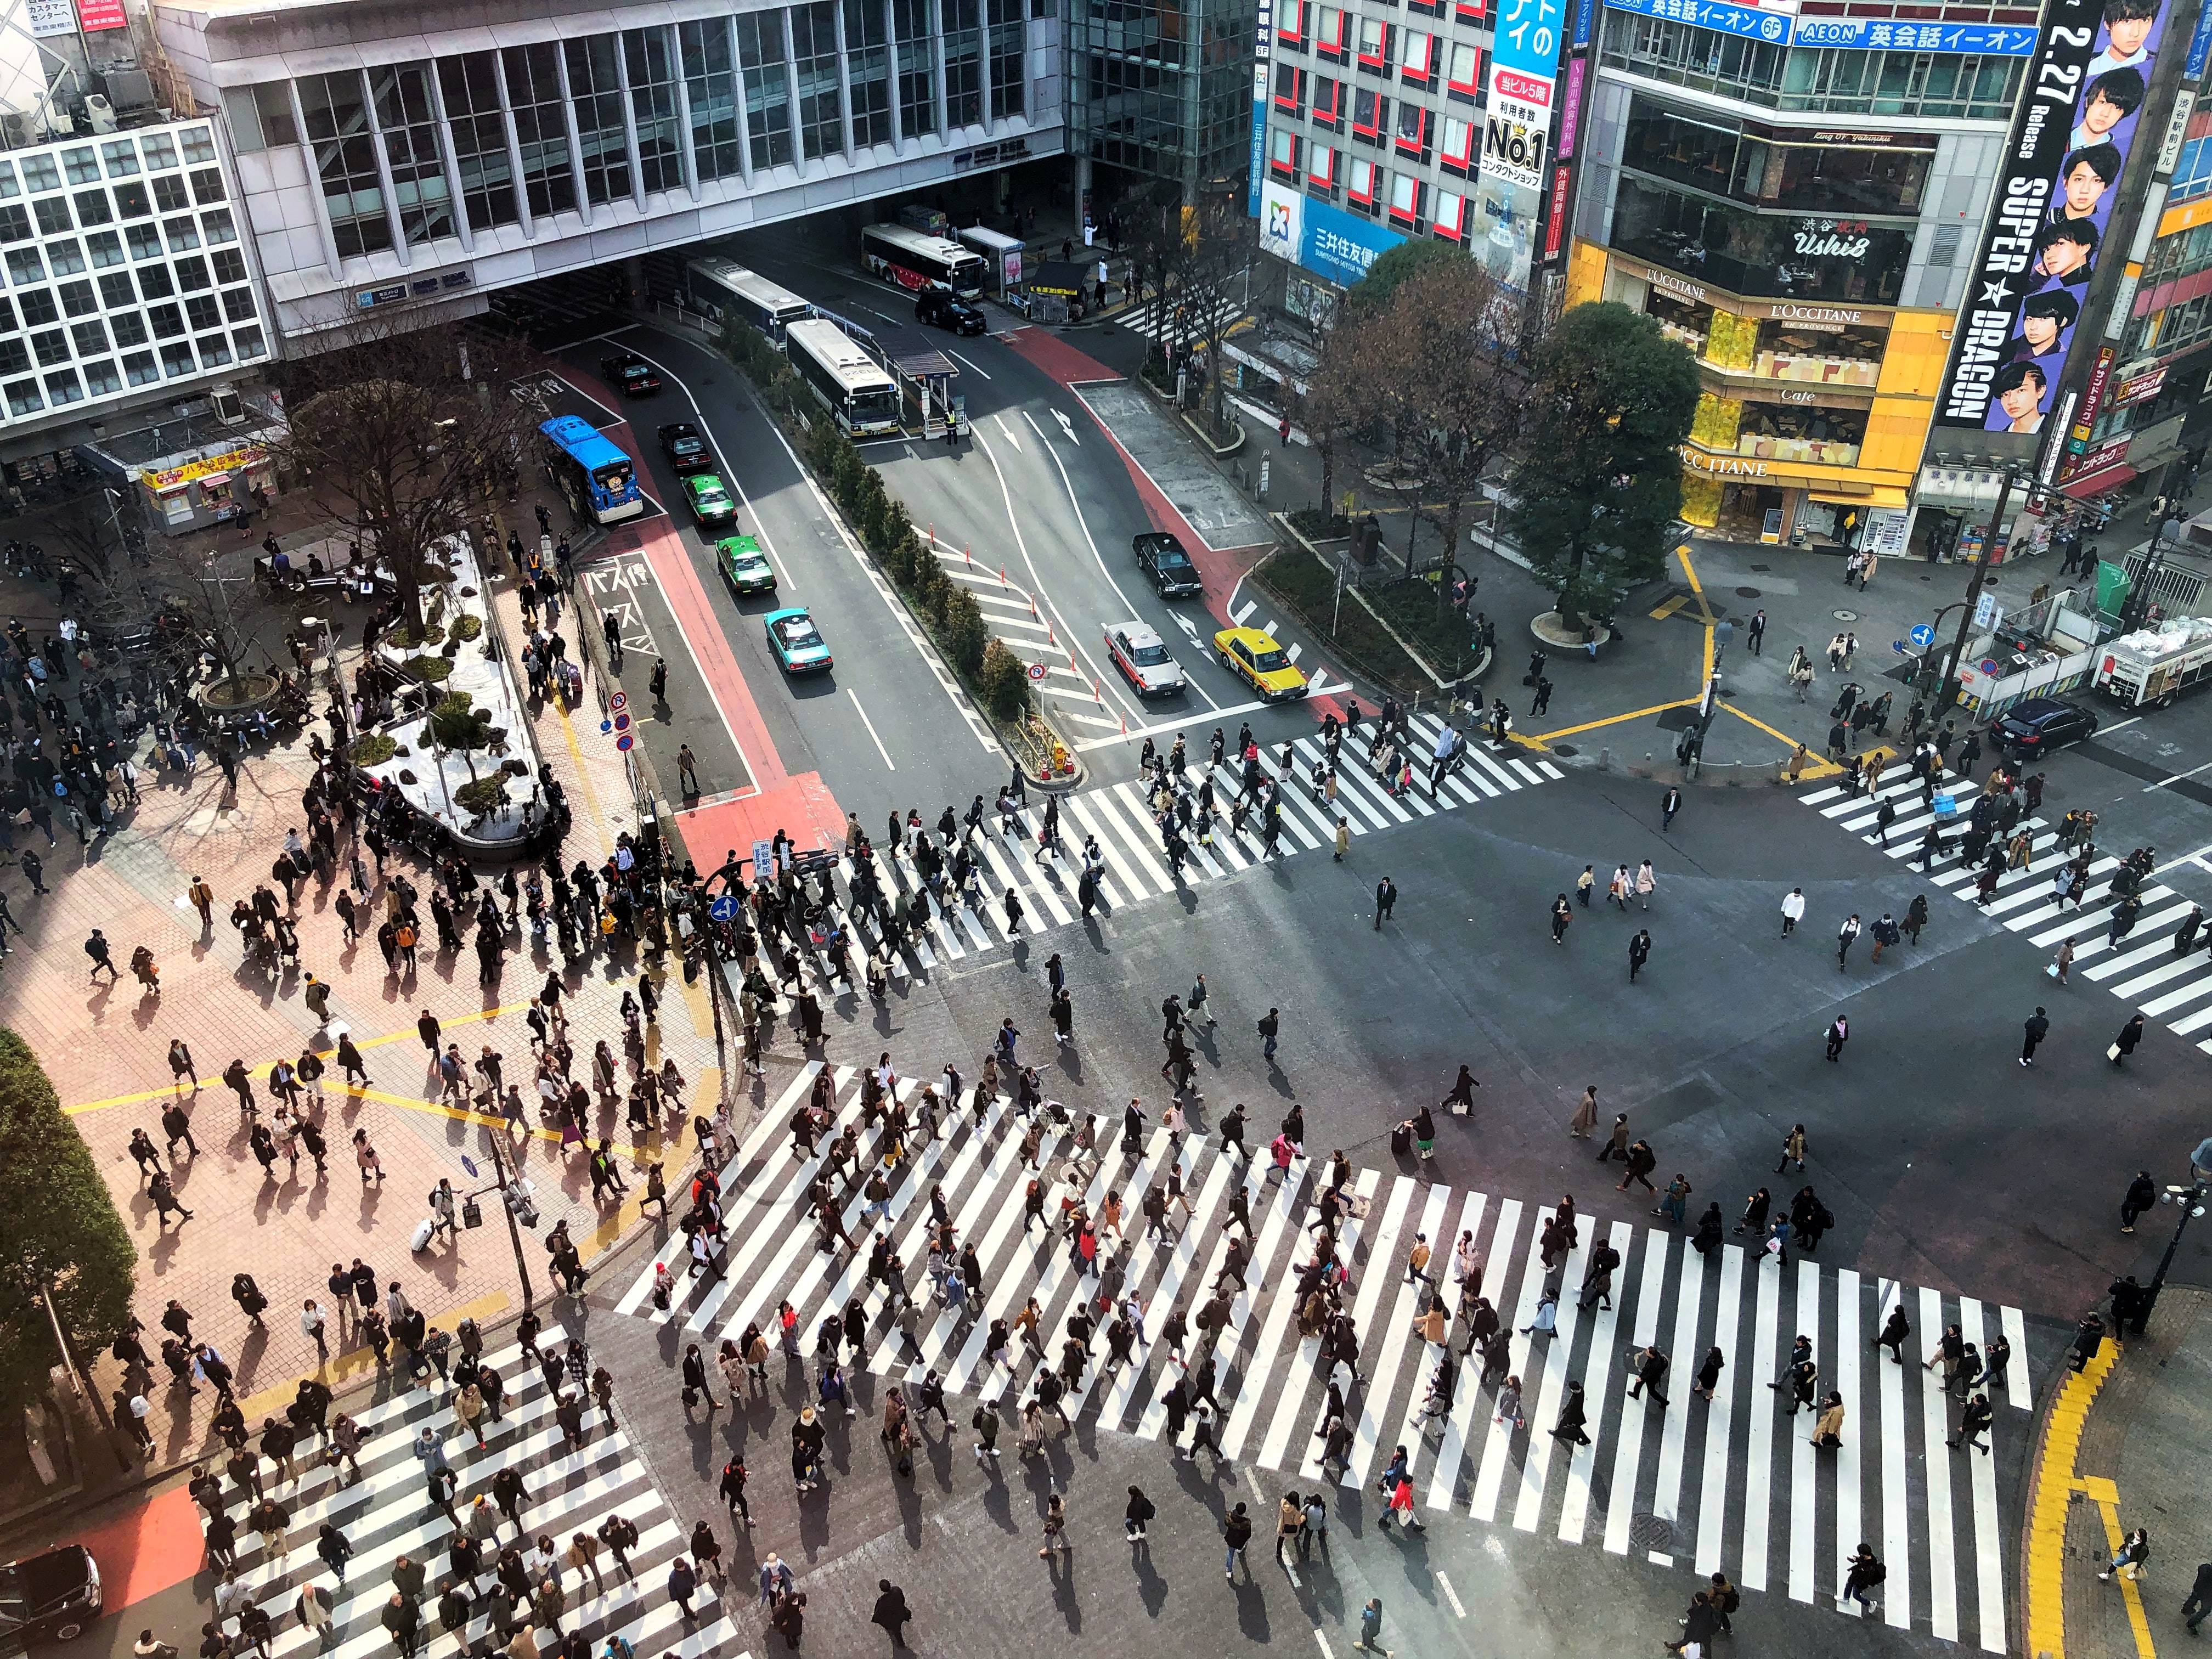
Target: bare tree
(406,436)
(1221,247)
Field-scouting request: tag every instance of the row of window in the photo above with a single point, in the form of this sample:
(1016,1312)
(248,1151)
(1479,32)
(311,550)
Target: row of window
(1338,106)
(1416,134)
(60,387)
(113,158)
(1380,48)
(1406,201)
(68,255)
(538,128)
(1827,80)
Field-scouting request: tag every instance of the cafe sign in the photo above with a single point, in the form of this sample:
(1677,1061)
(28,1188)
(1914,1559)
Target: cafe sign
(170,478)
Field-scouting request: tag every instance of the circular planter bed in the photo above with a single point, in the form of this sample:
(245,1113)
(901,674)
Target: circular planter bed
(375,750)
(1557,636)
(427,668)
(242,696)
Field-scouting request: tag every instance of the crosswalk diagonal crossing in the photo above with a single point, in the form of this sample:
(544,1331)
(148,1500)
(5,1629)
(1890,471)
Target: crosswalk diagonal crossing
(1133,866)
(2141,966)
(1736,1484)
(1155,322)
(384,1511)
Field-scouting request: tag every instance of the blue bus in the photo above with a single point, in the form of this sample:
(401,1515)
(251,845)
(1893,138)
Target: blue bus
(587,467)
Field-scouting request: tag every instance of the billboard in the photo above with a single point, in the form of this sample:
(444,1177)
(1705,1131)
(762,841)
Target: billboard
(1325,239)
(2052,206)
(1516,135)
(1257,161)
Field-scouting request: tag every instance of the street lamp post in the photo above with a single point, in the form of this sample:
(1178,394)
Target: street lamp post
(2190,1202)
(512,1198)
(1950,691)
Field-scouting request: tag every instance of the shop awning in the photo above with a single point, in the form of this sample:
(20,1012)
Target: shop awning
(2097,483)
(209,480)
(1874,496)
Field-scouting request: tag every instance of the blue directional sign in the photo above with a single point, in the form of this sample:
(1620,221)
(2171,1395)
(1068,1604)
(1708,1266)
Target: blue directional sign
(1876,34)
(1773,27)
(724,909)
(1923,634)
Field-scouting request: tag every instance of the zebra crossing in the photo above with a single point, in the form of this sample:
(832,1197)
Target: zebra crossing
(1155,322)
(385,1512)
(1736,1484)
(1120,816)
(2142,969)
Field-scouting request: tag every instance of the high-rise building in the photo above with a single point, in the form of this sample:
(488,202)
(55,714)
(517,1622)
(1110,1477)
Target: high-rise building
(1160,91)
(394,158)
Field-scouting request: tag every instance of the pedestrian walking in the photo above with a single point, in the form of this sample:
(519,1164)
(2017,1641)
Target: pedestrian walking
(2125,1044)
(1847,936)
(1386,897)
(1839,1033)
(2038,1027)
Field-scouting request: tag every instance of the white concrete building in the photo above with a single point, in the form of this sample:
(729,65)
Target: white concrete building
(399,155)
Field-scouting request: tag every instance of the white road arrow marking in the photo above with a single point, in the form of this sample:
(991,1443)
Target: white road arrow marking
(1067,426)
(1187,626)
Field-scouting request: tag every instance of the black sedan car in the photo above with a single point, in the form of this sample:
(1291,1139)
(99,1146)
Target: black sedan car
(948,311)
(53,1595)
(686,450)
(1161,557)
(2032,729)
(629,374)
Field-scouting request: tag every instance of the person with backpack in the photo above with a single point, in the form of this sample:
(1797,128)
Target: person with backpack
(1863,1577)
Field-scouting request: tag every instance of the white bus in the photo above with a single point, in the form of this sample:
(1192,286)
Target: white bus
(722,288)
(910,260)
(863,398)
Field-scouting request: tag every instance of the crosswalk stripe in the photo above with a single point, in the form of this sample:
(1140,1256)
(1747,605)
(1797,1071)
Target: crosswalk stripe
(1715,1474)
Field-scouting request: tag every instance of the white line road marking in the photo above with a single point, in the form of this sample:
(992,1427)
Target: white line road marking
(1451,1595)
(1325,1652)
(957,358)
(1012,437)
(1066,426)
(889,762)
(2177,777)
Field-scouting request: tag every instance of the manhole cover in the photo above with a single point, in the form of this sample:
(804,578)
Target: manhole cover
(1565,749)
(1989,581)
(1762,568)
(1746,593)
(1650,1532)
(1728,691)
(1845,616)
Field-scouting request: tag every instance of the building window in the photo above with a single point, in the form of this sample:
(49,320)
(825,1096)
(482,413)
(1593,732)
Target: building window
(541,131)
(92,208)
(409,126)
(229,264)
(115,290)
(9,187)
(23,397)
(1321,168)
(65,258)
(250,343)
(89,338)
(1451,215)
(128,327)
(1008,79)
(470,85)
(1370,109)
(215,351)
(238,305)
(39,174)
(1283,152)
(177,360)
(814,39)
(1359,183)
(595,92)
(38,307)
(1418,64)
(1327,101)
(1290,19)
(1329,33)
(1828,82)
(78,300)
(1375,44)
(963,63)
(917,73)
(218,225)
(202,312)
(184,235)
(53,216)
(768,88)
(198,144)
(63,387)
(272,104)
(132,201)
(15,357)
(1470,11)
(1416,126)
(145,241)
(51,346)
(868,68)
(1289,88)
(81,166)
(710,83)
(102,377)
(345,159)
(14,223)
(1459,145)
(652,106)
(140,368)
(207,184)
(155,282)
(168,322)
(106,247)
(169,193)
(121,157)
(26,265)
(1406,199)
(1465,82)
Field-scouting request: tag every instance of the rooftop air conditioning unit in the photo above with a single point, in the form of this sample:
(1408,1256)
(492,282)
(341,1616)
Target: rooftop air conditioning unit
(229,408)
(99,113)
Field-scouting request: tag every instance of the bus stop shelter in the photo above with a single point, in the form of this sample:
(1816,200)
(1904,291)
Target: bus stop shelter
(1055,291)
(925,375)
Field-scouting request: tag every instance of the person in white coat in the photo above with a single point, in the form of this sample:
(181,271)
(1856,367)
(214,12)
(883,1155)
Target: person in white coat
(1793,910)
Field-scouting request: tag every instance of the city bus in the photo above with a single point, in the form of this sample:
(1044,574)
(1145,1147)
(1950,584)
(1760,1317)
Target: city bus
(722,288)
(853,386)
(596,476)
(910,260)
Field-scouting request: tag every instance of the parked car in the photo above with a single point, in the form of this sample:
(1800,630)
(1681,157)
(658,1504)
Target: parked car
(2032,729)
(1161,557)
(686,450)
(629,374)
(943,310)
(1143,658)
(55,1596)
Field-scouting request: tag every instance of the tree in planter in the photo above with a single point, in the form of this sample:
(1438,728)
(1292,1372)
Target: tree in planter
(1003,678)
(1599,477)
(966,634)
(397,446)
(1214,276)
(58,1229)
(191,582)
(1394,268)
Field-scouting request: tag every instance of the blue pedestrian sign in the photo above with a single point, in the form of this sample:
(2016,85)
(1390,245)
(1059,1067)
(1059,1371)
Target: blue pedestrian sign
(606,725)
(1898,646)
(1923,634)
(724,909)
(469,1165)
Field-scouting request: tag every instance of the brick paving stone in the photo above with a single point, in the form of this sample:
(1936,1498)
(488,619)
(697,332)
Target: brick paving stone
(106,1047)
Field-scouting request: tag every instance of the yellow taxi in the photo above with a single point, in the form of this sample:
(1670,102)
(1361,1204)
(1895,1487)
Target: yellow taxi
(1254,657)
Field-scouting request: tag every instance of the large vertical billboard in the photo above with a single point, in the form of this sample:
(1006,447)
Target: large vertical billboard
(1516,135)
(1257,161)
(2051,212)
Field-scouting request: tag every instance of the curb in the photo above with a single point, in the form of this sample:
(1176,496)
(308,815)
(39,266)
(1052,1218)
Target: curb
(2043,1535)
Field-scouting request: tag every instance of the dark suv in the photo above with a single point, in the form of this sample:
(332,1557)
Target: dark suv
(948,311)
(2040,725)
(1160,556)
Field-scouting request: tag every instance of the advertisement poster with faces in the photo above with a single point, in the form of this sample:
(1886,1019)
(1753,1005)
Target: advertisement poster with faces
(2070,143)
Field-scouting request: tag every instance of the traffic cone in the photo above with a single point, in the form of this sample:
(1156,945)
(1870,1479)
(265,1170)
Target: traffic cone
(968,555)
(1002,572)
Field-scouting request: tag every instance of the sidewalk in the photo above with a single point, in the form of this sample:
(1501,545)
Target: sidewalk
(2123,1448)
(105,1046)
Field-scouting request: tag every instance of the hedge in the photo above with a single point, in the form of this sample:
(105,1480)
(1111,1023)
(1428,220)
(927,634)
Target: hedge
(58,1222)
